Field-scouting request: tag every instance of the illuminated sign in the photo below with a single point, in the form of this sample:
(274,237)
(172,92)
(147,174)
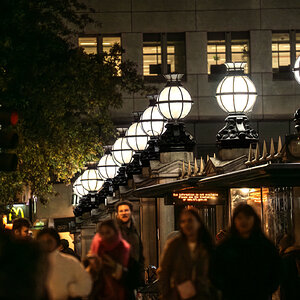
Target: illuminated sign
(197,197)
(17,211)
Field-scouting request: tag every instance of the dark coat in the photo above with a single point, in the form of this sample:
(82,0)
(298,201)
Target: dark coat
(246,268)
(177,266)
(132,237)
(290,274)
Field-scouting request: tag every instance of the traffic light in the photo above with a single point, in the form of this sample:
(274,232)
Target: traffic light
(8,140)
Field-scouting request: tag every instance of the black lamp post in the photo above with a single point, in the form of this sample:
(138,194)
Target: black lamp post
(236,95)
(174,103)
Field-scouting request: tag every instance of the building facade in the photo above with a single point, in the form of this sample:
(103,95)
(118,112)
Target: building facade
(196,37)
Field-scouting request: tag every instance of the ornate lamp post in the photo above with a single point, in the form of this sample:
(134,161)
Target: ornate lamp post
(78,188)
(122,154)
(174,103)
(137,140)
(236,95)
(108,170)
(153,123)
(91,180)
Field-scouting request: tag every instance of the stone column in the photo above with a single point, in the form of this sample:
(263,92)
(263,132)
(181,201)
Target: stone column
(149,230)
(87,234)
(133,46)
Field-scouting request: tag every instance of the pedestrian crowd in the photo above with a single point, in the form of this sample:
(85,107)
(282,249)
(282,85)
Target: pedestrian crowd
(243,264)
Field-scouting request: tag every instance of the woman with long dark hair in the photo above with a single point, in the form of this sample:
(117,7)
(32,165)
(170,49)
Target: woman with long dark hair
(109,259)
(246,264)
(185,265)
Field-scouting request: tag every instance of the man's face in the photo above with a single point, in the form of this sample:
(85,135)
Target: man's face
(124,213)
(22,233)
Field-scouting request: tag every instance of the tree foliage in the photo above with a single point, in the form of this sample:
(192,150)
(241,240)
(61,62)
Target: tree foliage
(63,95)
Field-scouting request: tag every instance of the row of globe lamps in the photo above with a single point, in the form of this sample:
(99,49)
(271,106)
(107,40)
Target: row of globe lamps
(161,129)
(172,104)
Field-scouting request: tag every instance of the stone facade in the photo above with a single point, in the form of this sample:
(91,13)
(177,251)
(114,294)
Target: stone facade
(277,99)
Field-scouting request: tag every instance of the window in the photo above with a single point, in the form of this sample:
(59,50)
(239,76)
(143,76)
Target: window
(163,53)
(89,44)
(281,51)
(224,47)
(297,44)
(98,44)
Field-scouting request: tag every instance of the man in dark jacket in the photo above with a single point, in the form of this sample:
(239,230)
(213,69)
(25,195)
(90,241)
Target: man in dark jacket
(131,235)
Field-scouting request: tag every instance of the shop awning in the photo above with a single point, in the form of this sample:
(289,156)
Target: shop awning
(266,175)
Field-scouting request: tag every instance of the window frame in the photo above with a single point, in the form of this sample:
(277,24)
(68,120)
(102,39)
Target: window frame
(163,39)
(229,39)
(285,73)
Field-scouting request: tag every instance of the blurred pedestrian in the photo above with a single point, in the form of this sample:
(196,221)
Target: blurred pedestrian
(130,234)
(64,248)
(290,269)
(20,229)
(246,264)
(66,277)
(109,260)
(185,265)
(23,269)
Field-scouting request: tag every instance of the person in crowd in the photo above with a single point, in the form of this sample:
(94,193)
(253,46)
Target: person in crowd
(109,262)
(66,276)
(290,268)
(21,228)
(184,271)
(64,248)
(23,269)
(131,235)
(246,264)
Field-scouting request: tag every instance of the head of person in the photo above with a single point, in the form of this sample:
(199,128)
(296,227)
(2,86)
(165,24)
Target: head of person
(49,239)
(109,231)
(124,211)
(245,221)
(64,244)
(21,228)
(191,225)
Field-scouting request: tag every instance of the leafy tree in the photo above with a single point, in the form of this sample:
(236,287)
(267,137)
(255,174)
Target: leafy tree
(63,95)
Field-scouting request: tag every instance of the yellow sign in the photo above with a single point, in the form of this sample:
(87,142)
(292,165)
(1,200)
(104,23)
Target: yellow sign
(196,197)
(18,211)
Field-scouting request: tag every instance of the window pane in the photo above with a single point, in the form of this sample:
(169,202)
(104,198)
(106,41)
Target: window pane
(281,37)
(108,42)
(280,50)
(216,52)
(284,58)
(284,47)
(240,52)
(152,64)
(176,46)
(89,44)
(215,59)
(275,62)
(151,58)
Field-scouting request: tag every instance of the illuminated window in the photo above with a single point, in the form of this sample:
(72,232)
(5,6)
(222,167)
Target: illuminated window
(89,44)
(240,52)
(225,47)
(100,44)
(281,51)
(95,44)
(151,54)
(163,53)
(297,44)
